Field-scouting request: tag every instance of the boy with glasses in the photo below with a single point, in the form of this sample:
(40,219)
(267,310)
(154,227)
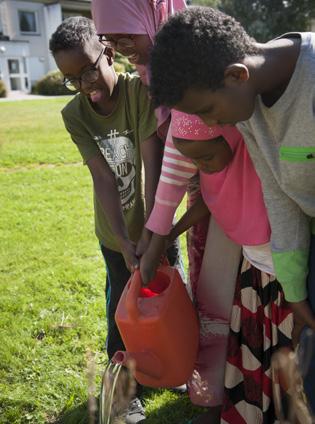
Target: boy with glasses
(90,75)
(112,122)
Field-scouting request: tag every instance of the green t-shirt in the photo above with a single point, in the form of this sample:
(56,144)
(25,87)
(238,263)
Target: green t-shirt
(117,136)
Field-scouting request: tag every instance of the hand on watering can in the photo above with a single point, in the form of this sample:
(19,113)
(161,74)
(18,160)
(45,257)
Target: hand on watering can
(128,250)
(150,260)
(148,267)
(143,242)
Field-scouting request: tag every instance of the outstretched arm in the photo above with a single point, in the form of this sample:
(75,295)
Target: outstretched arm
(150,260)
(173,179)
(152,153)
(158,244)
(192,216)
(107,193)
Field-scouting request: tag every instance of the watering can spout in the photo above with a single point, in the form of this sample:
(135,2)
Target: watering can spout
(145,362)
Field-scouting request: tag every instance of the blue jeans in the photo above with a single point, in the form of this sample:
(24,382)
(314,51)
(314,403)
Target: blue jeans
(309,379)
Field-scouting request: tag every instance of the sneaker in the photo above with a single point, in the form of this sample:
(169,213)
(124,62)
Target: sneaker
(135,412)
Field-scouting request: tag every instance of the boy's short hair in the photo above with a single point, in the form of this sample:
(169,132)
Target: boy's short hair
(72,33)
(193,49)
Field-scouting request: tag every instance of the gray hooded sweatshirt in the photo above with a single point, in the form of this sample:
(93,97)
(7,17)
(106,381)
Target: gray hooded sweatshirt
(281,143)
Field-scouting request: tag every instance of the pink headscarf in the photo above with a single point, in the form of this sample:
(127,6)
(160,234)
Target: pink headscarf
(234,195)
(135,17)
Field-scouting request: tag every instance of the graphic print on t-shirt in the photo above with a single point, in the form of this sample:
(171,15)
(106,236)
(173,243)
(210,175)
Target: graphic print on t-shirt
(119,152)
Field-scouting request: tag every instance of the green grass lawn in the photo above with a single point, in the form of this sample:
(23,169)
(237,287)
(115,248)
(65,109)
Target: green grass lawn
(52,275)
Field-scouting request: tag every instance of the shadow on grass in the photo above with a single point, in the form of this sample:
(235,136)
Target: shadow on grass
(77,415)
(11,410)
(177,409)
(170,409)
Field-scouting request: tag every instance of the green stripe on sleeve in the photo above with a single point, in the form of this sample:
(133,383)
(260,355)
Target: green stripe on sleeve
(297,154)
(291,271)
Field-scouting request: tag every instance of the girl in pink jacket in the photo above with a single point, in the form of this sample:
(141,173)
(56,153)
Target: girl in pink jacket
(237,340)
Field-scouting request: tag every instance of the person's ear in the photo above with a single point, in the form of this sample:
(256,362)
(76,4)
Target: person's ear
(110,55)
(235,73)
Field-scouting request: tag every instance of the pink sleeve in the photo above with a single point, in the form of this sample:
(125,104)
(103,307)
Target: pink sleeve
(175,175)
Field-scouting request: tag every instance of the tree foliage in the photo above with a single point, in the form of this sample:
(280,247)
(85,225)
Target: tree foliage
(265,19)
(209,3)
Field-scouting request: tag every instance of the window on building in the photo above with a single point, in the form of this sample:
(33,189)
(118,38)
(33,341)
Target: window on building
(28,22)
(14,66)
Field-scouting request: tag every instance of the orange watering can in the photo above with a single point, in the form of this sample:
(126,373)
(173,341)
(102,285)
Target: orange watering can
(159,327)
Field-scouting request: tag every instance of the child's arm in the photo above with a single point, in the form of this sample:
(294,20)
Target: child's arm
(158,244)
(175,175)
(152,153)
(192,216)
(174,178)
(151,258)
(108,195)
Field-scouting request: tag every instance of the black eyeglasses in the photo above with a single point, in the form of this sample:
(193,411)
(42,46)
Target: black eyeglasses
(102,39)
(123,43)
(89,76)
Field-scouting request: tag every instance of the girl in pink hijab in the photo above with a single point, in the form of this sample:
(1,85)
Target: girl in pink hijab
(130,27)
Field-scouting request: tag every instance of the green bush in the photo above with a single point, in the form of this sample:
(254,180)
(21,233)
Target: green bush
(3,89)
(122,64)
(119,67)
(51,85)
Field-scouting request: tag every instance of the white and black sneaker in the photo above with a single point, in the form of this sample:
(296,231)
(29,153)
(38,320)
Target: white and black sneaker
(135,413)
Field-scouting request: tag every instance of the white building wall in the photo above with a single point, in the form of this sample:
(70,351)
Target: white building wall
(52,18)
(37,67)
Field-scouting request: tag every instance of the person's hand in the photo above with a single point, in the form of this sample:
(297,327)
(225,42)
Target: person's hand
(298,326)
(148,266)
(128,250)
(151,258)
(303,315)
(143,242)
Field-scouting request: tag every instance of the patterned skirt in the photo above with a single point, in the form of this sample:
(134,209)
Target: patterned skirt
(261,323)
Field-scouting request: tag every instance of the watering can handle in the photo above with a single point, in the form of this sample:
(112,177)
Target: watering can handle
(133,294)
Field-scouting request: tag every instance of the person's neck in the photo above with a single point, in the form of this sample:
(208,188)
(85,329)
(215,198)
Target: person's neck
(272,68)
